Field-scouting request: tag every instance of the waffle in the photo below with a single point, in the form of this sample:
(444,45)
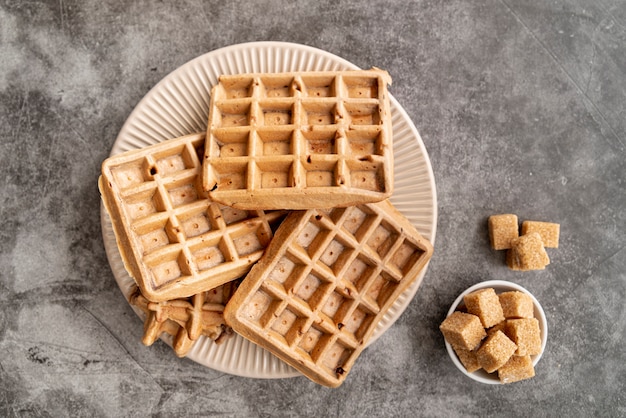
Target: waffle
(299,140)
(175,241)
(324,283)
(185,319)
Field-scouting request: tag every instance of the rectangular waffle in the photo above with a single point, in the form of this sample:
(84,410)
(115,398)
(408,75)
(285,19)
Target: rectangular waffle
(185,319)
(175,241)
(299,140)
(324,284)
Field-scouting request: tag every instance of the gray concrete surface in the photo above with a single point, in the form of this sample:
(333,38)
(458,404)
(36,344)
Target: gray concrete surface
(521,105)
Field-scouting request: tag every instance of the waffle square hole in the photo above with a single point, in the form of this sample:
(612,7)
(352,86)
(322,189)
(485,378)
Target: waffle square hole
(320,173)
(358,272)
(173,161)
(209,254)
(363,114)
(319,86)
(153,240)
(231,215)
(332,304)
(284,322)
(358,322)
(259,308)
(275,114)
(357,222)
(247,243)
(231,144)
(165,272)
(168,268)
(312,238)
(274,174)
(320,142)
(154,233)
(233,114)
(286,272)
(143,204)
(237,88)
(310,339)
(363,143)
(195,224)
(128,175)
(367,175)
(275,142)
(382,239)
(361,87)
(276,86)
(335,255)
(184,191)
(312,290)
(318,113)
(336,357)
(381,289)
(406,256)
(170,164)
(230,176)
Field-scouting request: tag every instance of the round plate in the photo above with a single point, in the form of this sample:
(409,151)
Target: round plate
(179,105)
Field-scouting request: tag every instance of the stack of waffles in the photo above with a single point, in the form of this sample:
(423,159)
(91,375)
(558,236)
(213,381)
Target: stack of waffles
(275,223)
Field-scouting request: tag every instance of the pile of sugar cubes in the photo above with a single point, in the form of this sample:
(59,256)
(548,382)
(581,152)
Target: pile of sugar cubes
(496,332)
(526,251)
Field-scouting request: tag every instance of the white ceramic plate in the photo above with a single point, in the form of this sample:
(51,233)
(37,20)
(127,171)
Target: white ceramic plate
(179,105)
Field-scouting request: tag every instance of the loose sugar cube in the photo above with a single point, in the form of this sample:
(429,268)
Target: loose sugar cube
(495,352)
(468,359)
(525,333)
(485,304)
(463,330)
(502,229)
(516,369)
(528,252)
(516,304)
(511,260)
(549,232)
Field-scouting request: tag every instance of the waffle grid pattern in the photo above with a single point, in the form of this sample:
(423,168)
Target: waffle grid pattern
(185,319)
(180,241)
(272,137)
(330,285)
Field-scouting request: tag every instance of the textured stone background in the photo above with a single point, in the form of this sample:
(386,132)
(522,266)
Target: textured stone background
(521,105)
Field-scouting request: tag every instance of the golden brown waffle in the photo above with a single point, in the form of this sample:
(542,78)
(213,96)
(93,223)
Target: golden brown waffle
(185,319)
(324,283)
(299,140)
(174,241)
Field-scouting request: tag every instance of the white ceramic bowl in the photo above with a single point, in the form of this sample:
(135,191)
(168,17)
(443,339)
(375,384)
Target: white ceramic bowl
(499,286)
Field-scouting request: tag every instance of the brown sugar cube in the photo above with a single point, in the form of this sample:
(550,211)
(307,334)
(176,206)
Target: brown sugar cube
(516,369)
(463,330)
(502,229)
(468,359)
(511,260)
(528,252)
(495,352)
(549,232)
(500,326)
(516,304)
(525,333)
(484,303)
